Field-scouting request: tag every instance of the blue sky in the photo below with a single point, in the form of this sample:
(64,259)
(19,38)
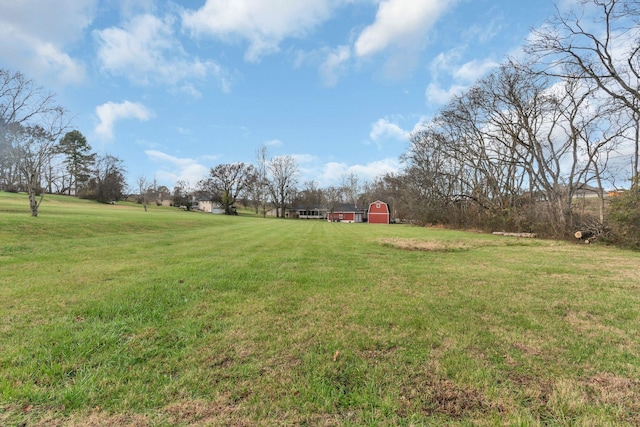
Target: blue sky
(175,88)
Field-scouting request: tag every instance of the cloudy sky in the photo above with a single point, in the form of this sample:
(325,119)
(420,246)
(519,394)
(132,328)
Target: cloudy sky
(176,87)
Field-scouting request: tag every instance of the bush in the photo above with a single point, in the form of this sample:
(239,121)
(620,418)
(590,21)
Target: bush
(625,217)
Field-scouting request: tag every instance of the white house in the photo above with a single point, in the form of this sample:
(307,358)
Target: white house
(210,206)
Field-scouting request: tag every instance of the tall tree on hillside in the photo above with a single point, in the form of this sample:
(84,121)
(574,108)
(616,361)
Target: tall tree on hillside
(33,147)
(78,159)
(351,187)
(310,197)
(145,192)
(181,196)
(260,186)
(284,177)
(9,174)
(228,182)
(107,183)
(331,197)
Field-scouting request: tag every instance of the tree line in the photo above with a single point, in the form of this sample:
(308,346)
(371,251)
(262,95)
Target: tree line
(515,150)
(271,185)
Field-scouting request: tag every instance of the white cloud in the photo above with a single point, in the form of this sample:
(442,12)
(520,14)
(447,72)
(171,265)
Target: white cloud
(334,65)
(273,143)
(34,34)
(462,76)
(303,158)
(174,169)
(110,112)
(444,62)
(146,51)
(440,96)
(474,70)
(264,24)
(383,129)
(398,22)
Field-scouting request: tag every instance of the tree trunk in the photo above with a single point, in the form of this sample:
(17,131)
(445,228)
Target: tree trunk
(33,202)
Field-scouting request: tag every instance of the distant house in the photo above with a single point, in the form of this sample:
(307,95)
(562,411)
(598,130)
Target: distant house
(378,213)
(304,212)
(586,190)
(347,213)
(209,206)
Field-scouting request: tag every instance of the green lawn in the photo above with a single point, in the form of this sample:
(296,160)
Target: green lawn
(110,315)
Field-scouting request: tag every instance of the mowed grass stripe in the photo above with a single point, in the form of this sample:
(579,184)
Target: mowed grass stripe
(167,317)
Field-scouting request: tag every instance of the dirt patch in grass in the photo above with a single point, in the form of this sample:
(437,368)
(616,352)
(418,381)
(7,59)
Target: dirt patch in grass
(222,411)
(200,413)
(591,326)
(95,419)
(449,399)
(610,389)
(433,396)
(425,245)
(528,349)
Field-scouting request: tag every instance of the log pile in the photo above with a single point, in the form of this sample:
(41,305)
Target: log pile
(584,235)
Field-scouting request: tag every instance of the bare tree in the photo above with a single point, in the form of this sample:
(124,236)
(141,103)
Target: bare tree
(228,182)
(351,187)
(284,173)
(145,192)
(10,177)
(33,147)
(430,178)
(260,186)
(22,102)
(182,192)
(332,196)
(107,183)
(599,41)
(31,123)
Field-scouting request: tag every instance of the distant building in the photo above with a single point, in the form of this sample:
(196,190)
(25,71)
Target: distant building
(347,212)
(209,206)
(305,212)
(379,213)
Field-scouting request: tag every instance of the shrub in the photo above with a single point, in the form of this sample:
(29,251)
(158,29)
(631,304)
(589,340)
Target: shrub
(625,217)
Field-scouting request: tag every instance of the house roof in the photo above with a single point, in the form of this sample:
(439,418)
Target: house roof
(307,208)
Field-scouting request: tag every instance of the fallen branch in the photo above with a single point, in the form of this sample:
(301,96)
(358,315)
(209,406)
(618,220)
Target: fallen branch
(525,235)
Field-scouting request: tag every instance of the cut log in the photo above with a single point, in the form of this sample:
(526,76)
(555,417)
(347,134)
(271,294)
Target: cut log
(582,235)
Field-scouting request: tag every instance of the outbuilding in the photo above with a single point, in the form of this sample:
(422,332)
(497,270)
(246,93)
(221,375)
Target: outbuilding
(379,213)
(347,213)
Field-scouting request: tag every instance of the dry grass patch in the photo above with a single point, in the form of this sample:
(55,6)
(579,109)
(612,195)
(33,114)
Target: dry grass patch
(592,326)
(614,390)
(441,245)
(433,395)
(222,411)
(426,245)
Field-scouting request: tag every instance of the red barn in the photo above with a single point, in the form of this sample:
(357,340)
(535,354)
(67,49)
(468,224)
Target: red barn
(379,213)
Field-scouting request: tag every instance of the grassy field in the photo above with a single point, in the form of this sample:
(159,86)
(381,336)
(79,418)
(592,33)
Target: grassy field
(113,316)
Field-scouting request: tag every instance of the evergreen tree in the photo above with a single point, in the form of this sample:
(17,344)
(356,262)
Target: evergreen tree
(78,158)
